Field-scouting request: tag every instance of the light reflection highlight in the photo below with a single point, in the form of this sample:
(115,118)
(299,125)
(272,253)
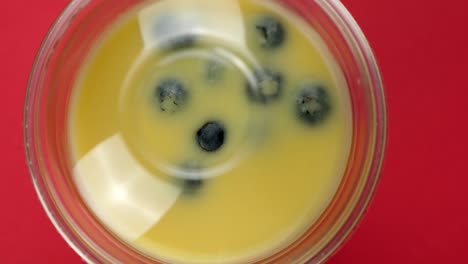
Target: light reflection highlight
(125,196)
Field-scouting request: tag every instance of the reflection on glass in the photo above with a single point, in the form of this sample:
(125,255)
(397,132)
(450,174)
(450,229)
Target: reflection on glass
(166,20)
(120,191)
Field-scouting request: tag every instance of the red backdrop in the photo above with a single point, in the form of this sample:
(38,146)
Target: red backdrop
(420,211)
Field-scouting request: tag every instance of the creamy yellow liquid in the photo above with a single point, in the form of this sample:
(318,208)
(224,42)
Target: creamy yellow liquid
(272,178)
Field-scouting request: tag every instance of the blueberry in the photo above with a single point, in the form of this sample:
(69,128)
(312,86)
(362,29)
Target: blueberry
(192,186)
(172,95)
(190,179)
(214,70)
(180,42)
(313,103)
(270,31)
(210,137)
(267,86)
(175,32)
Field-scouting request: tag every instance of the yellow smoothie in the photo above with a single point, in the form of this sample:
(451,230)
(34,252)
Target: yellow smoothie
(209,131)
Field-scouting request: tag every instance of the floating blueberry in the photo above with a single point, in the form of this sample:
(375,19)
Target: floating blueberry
(210,137)
(214,70)
(192,186)
(175,32)
(172,95)
(190,178)
(270,31)
(268,86)
(180,42)
(313,103)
